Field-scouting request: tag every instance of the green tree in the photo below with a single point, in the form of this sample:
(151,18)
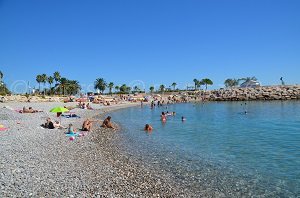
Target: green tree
(128,89)
(207,81)
(57,76)
(117,88)
(174,84)
(196,82)
(50,81)
(100,84)
(72,87)
(3,89)
(136,89)
(247,79)
(110,87)
(123,88)
(231,82)
(39,80)
(44,81)
(1,76)
(200,83)
(151,89)
(63,83)
(162,88)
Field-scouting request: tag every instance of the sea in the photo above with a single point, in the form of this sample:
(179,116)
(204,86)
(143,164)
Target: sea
(240,149)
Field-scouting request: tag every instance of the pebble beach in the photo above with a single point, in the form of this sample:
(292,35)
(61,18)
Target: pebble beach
(37,162)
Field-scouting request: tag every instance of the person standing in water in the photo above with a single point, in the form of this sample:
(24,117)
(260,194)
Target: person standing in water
(163,117)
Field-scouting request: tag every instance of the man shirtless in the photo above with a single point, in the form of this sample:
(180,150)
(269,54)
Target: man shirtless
(87,125)
(107,123)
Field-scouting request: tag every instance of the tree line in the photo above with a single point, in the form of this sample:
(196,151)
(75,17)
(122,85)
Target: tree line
(62,85)
(232,82)
(3,89)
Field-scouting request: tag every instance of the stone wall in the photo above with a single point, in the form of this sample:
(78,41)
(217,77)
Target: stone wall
(259,93)
(22,98)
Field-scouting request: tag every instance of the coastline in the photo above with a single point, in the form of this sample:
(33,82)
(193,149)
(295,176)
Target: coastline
(37,162)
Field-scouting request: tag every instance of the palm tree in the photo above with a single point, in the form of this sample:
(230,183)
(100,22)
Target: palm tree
(100,84)
(44,80)
(63,84)
(117,88)
(206,81)
(50,81)
(196,83)
(110,87)
(56,76)
(151,89)
(123,88)
(1,76)
(136,88)
(72,86)
(174,85)
(39,80)
(231,82)
(162,88)
(128,89)
(248,79)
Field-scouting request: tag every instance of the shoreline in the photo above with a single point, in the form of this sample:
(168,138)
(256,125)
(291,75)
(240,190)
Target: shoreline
(39,162)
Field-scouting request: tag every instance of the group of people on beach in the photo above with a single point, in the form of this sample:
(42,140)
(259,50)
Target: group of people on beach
(86,126)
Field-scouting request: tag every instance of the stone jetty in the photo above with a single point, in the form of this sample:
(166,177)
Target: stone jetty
(258,93)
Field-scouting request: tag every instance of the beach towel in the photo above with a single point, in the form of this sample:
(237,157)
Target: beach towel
(72,134)
(3,129)
(71,116)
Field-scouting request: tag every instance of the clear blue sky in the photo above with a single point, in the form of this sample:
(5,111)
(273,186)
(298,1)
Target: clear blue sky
(154,41)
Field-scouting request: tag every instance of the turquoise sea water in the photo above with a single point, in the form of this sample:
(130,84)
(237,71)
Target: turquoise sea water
(219,147)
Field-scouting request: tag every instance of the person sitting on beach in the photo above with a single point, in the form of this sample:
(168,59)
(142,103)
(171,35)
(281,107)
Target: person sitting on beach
(87,125)
(49,124)
(148,127)
(163,117)
(107,123)
(88,106)
(57,125)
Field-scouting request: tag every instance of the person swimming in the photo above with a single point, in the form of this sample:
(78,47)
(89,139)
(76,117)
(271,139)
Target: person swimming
(183,119)
(148,127)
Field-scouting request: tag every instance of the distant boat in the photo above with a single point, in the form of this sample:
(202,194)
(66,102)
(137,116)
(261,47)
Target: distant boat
(250,83)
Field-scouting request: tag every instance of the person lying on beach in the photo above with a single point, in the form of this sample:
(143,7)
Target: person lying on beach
(148,127)
(30,110)
(87,125)
(107,123)
(69,107)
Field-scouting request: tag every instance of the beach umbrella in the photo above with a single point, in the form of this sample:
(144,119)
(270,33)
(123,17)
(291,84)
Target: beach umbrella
(59,111)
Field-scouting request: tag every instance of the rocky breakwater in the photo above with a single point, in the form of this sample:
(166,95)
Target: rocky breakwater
(258,93)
